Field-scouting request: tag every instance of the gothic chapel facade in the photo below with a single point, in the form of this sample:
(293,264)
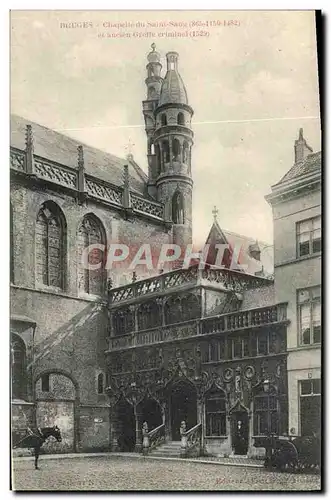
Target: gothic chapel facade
(117,362)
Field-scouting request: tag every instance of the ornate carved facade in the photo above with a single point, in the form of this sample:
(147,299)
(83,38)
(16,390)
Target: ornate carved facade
(197,366)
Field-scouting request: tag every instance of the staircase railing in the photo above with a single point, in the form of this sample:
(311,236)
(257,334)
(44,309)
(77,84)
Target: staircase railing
(153,438)
(191,440)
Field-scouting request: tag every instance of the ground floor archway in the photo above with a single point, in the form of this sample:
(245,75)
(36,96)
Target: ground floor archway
(183,407)
(149,411)
(240,431)
(125,426)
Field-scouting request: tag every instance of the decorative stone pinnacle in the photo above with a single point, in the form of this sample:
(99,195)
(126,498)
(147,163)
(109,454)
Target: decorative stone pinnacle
(301,134)
(126,176)
(29,137)
(153,46)
(80,156)
(215,213)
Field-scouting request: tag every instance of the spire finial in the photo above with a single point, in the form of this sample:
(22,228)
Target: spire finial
(153,46)
(215,213)
(129,148)
(301,134)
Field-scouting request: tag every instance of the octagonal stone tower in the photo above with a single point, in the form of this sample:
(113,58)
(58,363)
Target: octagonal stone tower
(169,145)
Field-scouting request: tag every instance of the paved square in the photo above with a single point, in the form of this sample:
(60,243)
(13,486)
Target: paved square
(117,473)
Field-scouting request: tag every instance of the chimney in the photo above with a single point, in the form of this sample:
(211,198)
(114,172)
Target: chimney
(301,148)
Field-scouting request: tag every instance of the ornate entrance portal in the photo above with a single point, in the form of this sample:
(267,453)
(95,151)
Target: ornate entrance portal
(239,430)
(183,405)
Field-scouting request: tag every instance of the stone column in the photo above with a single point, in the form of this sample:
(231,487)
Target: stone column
(113,428)
(167,419)
(139,423)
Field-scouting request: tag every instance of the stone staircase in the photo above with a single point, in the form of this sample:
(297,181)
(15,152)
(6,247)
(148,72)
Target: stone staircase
(168,449)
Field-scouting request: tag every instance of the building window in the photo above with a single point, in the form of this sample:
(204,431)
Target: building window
(149,316)
(18,367)
(163,120)
(266,415)
(309,235)
(178,212)
(310,407)
(100,383)
(215,413)
(50,246)
(180,119)
(309,312)
(123,321)
(91,232)
(262,344)
(239,347)
(45,383)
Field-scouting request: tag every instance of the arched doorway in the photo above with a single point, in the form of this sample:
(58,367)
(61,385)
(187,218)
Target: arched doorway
(125,426)
(183,404)
(150,412)
(239,429)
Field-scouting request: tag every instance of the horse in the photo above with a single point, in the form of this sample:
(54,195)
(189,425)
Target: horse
(36,438)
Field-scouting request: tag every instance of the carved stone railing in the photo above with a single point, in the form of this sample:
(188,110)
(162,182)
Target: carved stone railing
(103,191)
(244,319)
(56,173)
(17,160)
(191,440)
(142,205)
(94,187)
(236,321)
(226,278)
(152,439)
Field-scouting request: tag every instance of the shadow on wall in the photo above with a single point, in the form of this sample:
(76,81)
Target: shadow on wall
(64,337)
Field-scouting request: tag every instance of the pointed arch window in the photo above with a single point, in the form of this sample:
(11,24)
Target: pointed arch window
(18,367)
(166,151)
(50,246)
(180,119)
(91,232)
(175,150)
(178,211)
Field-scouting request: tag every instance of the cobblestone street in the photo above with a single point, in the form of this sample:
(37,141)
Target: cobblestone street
(117,473)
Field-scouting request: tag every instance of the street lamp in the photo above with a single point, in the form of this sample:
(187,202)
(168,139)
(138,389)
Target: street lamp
(269,447)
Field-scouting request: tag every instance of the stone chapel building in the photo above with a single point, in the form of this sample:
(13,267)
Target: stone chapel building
(199,353)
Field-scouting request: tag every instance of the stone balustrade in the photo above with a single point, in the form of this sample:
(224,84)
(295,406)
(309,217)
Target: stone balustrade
(226,279)
(95,188)
(236,321)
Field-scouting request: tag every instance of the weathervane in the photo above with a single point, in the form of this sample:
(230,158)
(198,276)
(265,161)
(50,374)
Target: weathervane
(215,213)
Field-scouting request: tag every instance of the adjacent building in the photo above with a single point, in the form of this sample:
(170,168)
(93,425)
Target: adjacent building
(296,206)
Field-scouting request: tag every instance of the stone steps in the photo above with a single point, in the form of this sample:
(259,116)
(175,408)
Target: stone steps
(169,449)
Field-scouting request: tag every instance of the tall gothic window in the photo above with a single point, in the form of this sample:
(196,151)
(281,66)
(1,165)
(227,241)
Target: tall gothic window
(178,213)
(50,246)
(91,232)
(18,367)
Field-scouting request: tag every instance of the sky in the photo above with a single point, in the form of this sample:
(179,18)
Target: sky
(252,84)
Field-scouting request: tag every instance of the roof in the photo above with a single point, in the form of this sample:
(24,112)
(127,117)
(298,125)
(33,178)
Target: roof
(173,89)
(312,163)
(246,245)
(62,149)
